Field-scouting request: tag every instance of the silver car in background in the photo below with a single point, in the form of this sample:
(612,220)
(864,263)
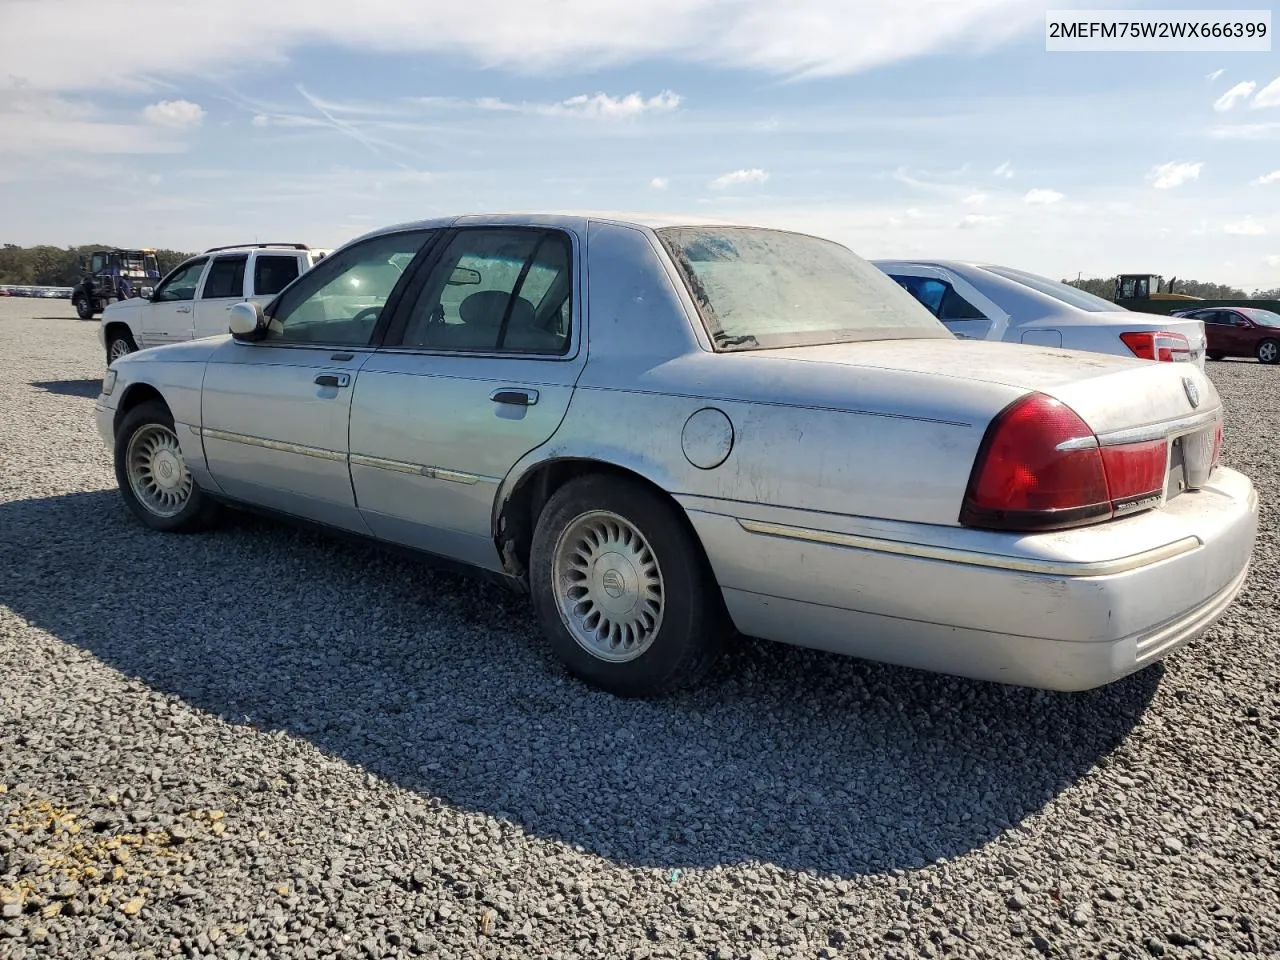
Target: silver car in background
(666,435)
(984,301)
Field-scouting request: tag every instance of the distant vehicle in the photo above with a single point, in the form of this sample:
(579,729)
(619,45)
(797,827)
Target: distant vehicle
(1240,332)
(666,433)
(981,301)
(1149,293)
(111,276)
(193,300)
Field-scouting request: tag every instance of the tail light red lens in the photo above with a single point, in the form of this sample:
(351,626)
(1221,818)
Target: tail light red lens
(1217,445)
(1161,345)
(1040,468)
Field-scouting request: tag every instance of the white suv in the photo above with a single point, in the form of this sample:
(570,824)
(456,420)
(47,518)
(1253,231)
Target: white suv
(193,300)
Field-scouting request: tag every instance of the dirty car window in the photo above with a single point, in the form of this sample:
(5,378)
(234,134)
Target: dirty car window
(759,288)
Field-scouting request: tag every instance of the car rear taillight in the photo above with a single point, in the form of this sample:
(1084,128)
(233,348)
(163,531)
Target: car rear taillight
(1040,468)
(1161,345)
(1217,445)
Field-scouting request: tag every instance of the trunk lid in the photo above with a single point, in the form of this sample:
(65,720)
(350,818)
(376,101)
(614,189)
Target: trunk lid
(1126,321)
(1111,393)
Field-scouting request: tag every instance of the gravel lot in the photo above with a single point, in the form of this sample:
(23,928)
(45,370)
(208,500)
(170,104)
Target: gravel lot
(260,742)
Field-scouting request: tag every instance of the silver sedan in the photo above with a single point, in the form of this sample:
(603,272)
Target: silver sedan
(990,302)
(668,435)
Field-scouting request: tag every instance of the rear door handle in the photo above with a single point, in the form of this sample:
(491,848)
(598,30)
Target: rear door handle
(183,310)
(515,395)
(334,380)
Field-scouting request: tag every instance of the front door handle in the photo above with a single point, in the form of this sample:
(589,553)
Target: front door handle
(334,380)
(519,396)
(184,310)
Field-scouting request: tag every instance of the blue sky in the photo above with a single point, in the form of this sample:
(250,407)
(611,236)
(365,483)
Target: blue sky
(918,128)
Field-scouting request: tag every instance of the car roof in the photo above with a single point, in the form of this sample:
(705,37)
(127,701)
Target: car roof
(565,220)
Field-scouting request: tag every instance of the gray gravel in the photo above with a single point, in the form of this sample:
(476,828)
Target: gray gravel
(260,742)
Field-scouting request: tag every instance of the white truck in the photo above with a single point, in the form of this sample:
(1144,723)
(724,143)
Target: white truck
(194,299)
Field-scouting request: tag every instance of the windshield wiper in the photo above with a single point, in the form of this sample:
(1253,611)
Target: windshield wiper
(726,340)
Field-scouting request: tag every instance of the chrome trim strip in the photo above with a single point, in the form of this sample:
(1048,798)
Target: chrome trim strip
(1159,431)
(1078,443)
(1060,568)
(318,453)
(414,469)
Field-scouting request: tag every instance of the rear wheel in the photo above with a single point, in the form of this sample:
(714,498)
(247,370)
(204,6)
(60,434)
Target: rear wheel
(153,475)
(622,589)
(119,343)
(84,309)
(1269,351)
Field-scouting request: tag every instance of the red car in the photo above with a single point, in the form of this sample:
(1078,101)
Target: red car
(1239,332)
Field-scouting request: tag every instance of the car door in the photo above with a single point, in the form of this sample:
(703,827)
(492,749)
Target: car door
(272,272)
(275,411)
(222,289)
(477,370)
(168,317)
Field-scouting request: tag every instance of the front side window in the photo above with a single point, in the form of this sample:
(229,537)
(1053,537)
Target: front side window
(496,290)
(339,301)
(271,274)
(181,284)
(225,279)
(768,288)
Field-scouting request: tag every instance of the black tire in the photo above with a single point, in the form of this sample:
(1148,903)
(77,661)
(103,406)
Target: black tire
(694,622)
(84,309)
(1215,356)
(1269,351)
(121,340)
(198,512)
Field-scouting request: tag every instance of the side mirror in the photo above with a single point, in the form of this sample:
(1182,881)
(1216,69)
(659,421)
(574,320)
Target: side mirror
(1242,323)
(247,321)
(146,293)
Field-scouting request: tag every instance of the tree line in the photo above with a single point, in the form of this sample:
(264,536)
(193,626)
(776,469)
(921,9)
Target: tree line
(1105,287)
(45,266)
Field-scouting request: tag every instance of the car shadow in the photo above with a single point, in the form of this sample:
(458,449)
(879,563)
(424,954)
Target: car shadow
(89,388)
(441,684)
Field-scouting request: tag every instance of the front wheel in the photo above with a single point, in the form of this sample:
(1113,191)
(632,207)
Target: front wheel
(84,308)
(1269,351)
(622,589)
(152,473)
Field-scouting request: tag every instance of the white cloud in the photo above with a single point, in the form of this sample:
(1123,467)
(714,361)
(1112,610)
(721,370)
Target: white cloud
(1248,227)
(659,183)
(261,120)
(739,177)
(1266,178)
(976,199)
(1268,96)
(1166,176)
(1273,260)
(1215,75)
(1005,170)
(972,220)
(1237,94)
(786,37)
(178,114)
(613,108)
(1042,197)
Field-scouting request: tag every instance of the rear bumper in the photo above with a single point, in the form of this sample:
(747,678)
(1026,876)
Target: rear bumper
(1065,611)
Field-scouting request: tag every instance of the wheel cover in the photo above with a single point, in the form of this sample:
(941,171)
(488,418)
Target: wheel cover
(608,586)
(1267,352)
(157,472)
(119,348)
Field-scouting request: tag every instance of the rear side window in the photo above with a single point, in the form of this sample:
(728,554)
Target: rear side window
(271,274)
(226,278)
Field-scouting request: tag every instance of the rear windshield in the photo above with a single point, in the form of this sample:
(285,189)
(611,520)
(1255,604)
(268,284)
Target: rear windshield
(758,288)
(1053,288)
